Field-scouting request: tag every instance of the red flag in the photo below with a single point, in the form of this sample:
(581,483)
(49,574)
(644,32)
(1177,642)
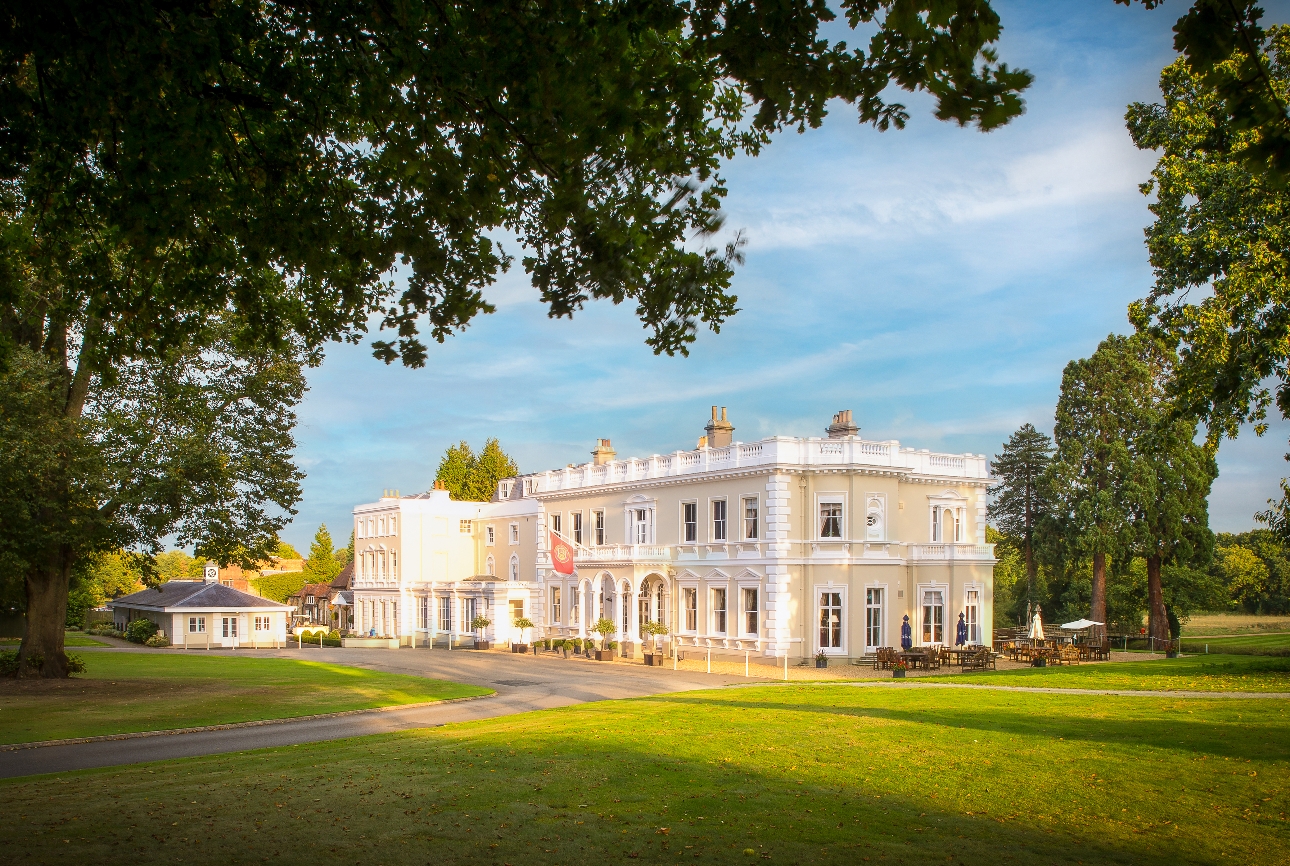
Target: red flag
(561,554)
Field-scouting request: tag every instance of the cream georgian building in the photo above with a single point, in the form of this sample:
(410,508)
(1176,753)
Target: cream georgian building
(783,547)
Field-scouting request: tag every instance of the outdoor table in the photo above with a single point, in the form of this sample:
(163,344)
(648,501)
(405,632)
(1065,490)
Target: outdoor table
(914,658)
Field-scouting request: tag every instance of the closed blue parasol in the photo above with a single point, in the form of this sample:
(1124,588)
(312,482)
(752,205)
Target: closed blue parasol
(906,635)
(960,638)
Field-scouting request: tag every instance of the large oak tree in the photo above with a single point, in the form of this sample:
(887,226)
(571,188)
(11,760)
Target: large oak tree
(173,168)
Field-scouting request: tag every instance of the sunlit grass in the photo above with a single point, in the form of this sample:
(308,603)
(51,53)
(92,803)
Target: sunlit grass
(125,692)
(793,774)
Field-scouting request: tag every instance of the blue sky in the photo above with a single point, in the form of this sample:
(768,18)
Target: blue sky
(934,280)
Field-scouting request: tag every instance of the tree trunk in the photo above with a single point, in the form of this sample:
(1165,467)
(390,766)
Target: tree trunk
(41,653)
(1030,572)
(1097,603)
(1158,619)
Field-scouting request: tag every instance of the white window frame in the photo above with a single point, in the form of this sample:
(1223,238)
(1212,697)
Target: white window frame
(514,573)
(554,523)
(980,613)
(882,607)
(555,605)
(598,526)
(394,524)
(515,533)
(744,610)
(724,536)
(843,617)
(743,518)
(490,566)
(465,527)
(830,498)
(489,534)
(445,613)
(197,625)
(394,565)
(723,611)
(692,538)
(576,526)
(689,592)
(946,637)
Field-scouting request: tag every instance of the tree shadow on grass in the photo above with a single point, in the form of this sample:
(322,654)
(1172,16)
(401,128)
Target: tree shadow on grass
(1236,735)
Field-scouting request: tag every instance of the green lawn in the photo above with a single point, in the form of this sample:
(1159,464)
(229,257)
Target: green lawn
(123,692)
(793,774)
(1252,644)
(72,639)
(1192,673)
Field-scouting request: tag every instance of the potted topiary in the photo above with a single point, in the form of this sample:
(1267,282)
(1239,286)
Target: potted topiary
(604,627)
(523,624)
(480,623)
(566,645)
(821,660)
(898,668)
(656,630)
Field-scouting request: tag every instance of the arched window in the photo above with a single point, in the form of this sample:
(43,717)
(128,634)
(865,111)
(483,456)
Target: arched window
(490,567)
(515,568)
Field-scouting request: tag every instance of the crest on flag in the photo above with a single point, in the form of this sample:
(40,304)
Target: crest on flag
(561,554)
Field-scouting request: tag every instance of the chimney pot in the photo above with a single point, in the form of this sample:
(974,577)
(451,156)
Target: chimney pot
(603,452)
(842,426)
(720,431)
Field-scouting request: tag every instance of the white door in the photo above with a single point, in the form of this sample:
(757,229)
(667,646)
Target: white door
(229,630)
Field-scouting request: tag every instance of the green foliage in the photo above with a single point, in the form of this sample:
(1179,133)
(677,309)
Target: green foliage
(177,565)
(99,578)
(279,587)
(480,622)
(157,641)
(1219,240)
(322,566)
(286,551)
(139,630)
(1254,570)
(9,665)
(471,478)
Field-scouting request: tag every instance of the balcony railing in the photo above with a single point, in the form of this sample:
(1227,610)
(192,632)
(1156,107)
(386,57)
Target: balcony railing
(779,450)
(951,551)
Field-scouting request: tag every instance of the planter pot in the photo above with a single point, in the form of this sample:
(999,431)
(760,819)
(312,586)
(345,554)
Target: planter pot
(519,647)
(482,644)
(605,655)
(898,675)
(1039,663)
(654,659)
(821,663)
(1171,654)
(566,652)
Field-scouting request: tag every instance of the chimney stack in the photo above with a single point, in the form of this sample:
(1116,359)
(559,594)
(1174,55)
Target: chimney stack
(842,426)
(720,431)
(603,452)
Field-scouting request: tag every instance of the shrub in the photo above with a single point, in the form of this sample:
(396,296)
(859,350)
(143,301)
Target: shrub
(8,663)
(75,665)
(157,640)
(576,644)
(611,644)
(139,630)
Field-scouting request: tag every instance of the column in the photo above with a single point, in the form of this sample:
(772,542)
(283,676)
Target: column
(634,617)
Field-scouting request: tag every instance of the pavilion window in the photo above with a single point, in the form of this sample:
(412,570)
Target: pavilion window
(197,624)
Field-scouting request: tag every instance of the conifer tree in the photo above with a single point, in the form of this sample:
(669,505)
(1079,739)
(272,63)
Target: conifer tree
(493,465)
(1021,498)
(321,566)
(456,469)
